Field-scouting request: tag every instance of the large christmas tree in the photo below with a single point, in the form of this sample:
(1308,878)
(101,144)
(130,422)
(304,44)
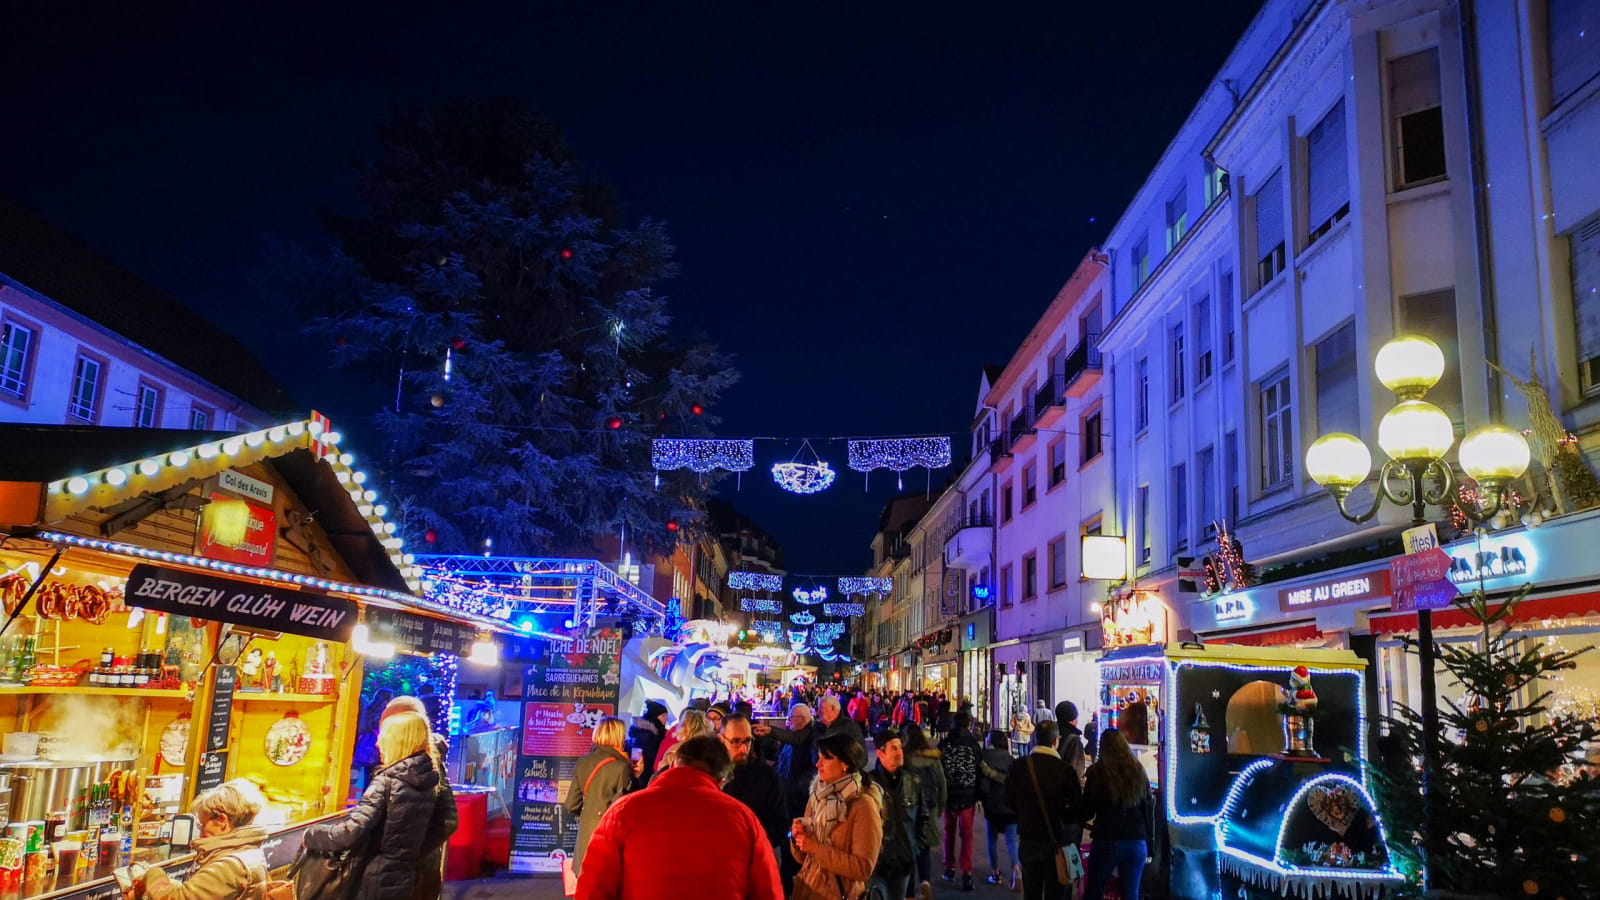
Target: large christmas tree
(518,320)
(1515,802)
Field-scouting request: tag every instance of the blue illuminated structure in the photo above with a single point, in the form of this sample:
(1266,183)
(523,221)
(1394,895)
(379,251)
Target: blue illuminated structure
(864,584)
(1250,810)
(899,454)
(702,455)
(803,478)
(510,588)
(755,581)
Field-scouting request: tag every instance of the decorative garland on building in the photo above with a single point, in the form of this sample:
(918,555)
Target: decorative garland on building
(844,609)
(856,584)
(755,581)
(756,604)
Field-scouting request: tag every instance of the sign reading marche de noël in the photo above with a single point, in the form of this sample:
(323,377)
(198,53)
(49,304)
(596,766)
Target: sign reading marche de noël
(259,606)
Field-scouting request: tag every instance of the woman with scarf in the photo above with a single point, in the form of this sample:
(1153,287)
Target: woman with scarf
(837,840)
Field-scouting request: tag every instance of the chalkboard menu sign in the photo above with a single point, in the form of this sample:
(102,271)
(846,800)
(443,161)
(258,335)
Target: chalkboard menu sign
(221,713)
(420,634)
(213,771)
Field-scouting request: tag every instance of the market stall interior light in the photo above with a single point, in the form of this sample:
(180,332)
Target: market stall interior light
(361,642)
(1104,556)
(485,652)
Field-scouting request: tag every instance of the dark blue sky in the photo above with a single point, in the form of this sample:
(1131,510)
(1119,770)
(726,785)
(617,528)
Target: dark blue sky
(870,201)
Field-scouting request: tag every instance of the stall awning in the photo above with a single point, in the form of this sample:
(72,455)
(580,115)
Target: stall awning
(1272,637)
(1534,609)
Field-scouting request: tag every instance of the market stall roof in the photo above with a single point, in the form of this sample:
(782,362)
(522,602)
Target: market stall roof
(49,473)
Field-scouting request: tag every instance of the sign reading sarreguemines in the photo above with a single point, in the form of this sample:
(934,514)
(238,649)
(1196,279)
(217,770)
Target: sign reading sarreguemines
(264,607)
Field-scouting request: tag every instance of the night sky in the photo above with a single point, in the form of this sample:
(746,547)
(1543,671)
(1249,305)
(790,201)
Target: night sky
(870,201)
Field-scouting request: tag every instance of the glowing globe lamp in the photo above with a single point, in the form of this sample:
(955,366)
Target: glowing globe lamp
(1494,454)
(1409,366)
(1339,461)
(1415,430)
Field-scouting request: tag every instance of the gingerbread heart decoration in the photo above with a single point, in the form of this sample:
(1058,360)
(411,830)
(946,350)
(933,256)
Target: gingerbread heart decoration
(1335,807)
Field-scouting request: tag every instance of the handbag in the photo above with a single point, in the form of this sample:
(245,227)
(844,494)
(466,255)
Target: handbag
(328,876)
(1069,865)
(284,889)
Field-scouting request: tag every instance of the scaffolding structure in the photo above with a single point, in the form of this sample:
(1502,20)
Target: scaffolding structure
(587,588)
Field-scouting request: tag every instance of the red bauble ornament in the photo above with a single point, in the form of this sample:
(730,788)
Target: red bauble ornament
(457,343)
(614,423)
(672,524)
(566,252)
(697,409)
(431,536)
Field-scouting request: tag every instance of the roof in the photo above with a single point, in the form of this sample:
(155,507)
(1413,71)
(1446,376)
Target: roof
(65,271)
(69,465)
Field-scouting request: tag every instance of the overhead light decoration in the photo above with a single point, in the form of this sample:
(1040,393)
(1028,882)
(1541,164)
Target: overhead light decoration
(827,632)
(802,618)
(755,581)
(899,454)
(810,597)
(770,631)
(844,609)
(799,640)
(855,584)
(756,604)
(803,478)
(700,455)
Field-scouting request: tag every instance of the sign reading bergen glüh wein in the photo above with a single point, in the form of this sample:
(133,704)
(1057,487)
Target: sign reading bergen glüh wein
(259,606)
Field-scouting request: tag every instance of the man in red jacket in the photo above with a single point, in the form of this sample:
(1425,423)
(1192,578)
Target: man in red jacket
(681,837)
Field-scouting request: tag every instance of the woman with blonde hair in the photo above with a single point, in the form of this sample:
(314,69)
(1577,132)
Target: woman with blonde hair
(600,778)
(693,724)
(231,864)
(1119,811)
(400,820)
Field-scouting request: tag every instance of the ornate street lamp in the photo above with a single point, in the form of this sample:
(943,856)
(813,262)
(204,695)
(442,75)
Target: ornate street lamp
(1416,435)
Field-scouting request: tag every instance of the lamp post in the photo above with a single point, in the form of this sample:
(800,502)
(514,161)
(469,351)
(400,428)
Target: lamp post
(1415,435)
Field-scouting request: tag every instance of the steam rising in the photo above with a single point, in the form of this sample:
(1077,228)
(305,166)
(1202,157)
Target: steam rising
(90,727)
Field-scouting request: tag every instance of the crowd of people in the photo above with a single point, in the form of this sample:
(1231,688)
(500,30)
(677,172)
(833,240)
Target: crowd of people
(854,791)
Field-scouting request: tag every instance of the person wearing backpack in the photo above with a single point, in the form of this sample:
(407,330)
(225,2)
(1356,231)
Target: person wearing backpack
(960,757)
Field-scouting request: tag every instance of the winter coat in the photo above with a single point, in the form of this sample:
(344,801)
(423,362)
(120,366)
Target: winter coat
(430,880)
(758,787)
(903,817)
(229,866)
(610,781)
(1110,822)
(991,787)
(1058,786)
(646,736)
(391,828)
(680,837)
(1072,750)
(797,762)
(961,755)
(925,764)
(841,867)
(842,725)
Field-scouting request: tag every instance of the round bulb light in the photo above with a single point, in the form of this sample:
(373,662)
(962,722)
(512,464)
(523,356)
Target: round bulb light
(1494,454)
(1409,366)
(1416,430)
(232,446)
(206,451)
(116,477)
(149,468)
(78,485)
(1339,461)
(178,459)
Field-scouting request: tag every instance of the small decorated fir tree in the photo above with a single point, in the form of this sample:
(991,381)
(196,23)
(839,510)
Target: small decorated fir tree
(1515,804)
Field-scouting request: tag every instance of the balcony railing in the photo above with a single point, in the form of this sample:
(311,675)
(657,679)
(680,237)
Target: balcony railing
(1048,395)
(1084,360)
(1018,428)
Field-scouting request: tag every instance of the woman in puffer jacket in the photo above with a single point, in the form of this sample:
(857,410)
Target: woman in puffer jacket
(400,819)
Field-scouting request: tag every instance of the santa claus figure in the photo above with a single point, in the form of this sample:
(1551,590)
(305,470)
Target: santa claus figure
(1301,696)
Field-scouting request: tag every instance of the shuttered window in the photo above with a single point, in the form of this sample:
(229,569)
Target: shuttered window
(1327,173)
(1269,228)
(1574,46)
(1433,315)
(1586,300)
(1337,409)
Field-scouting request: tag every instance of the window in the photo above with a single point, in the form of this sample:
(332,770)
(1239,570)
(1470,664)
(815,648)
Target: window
(1574,46)
(1586,301)
(1327,174)
(1144,525)
(84,402)
(1180,507)
(1177,362)
(1177,218)
(1216,183)
(1433,315)
(16,353)
(1230,473)
(1225,298)
(987,507)
(1269,229)
(1336,382)
(1005,586)
(1205,485)
(1058,562)
(1277,441)
(1142,411)
(147,406)
(1141,262)
(1093,443)
(1418,119)
(1030,484)
(1058,462)
(1202,340)
(1030,575)
(1005,503)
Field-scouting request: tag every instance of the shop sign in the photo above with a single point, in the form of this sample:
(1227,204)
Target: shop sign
(1423,537)
(221,708)
(245,486)
(1469,563)
(213,771)
(1349,589)
(1143,671)
(1231,608)
(1421,582)
(259,540)
(420,634)
(1133,619)
(258,606)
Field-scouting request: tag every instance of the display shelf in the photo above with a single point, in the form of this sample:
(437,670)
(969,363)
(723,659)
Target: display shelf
(13,689)
(268,697)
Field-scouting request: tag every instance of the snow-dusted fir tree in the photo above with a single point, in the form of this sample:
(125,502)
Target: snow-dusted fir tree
(519,322)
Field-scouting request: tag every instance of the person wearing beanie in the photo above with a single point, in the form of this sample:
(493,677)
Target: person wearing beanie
(1071,745)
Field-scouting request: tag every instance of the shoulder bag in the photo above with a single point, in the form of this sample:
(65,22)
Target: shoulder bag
(1069,865)
(569,879)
